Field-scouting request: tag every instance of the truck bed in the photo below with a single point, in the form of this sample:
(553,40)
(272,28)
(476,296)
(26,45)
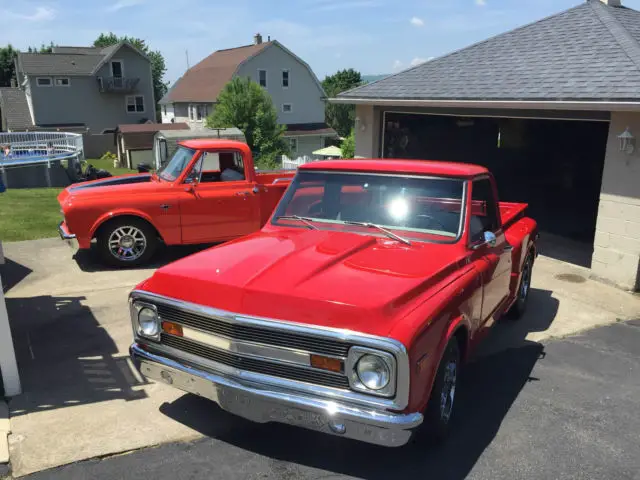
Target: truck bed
(511,211)
(277,176)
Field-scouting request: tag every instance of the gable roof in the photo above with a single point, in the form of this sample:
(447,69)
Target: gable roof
(69,60)
(204,81)
(588,53)
(15,109)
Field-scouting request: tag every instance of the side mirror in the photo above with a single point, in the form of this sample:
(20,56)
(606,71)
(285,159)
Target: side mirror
(489,239)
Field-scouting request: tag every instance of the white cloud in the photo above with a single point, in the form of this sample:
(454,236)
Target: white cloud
(416,22)
(417,61)
(397,65)
(120,4)
(41,14)
(481,3)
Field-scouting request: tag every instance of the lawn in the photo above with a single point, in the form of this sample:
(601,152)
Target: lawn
(31,213)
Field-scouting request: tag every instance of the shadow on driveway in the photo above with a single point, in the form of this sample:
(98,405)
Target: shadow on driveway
(490,384)
(65,356)
(13,273)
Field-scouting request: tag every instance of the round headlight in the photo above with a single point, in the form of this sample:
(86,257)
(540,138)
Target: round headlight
(148,322)
(373,372)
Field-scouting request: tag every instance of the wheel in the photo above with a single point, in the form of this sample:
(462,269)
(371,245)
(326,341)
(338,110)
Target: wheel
(127,242)
(520,305)
(437,417)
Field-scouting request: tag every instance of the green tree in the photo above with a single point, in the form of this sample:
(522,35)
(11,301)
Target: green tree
(7,65)
(341,117)
(244,104)
(348,146)
(158,66)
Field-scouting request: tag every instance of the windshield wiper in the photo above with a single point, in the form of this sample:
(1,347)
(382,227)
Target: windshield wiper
(388,233)
(307,221)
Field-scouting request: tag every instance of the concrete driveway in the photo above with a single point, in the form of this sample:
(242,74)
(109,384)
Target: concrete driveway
(81,398)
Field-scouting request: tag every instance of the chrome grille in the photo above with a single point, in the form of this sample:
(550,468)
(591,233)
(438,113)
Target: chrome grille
(253,334)
(301,374)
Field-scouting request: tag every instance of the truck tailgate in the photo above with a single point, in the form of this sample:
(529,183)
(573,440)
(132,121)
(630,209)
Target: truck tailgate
(510,211)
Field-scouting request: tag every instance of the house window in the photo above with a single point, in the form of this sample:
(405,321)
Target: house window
(135,104)
(287,108)
(117,69)
(262,78)
(293,145)
(44,81)
(285,79)
(63,82)
(198,112)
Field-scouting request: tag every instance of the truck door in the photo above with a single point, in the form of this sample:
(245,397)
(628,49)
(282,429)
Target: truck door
(217,202)
(496,255)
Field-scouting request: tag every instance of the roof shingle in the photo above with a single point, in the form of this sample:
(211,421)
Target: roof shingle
(204,81)
(15,109)
(590,52)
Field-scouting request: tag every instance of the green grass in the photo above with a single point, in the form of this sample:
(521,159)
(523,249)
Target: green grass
(32,213)
(29,213)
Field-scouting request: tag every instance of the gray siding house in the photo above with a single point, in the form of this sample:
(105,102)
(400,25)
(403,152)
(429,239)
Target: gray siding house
(83,88)
(295,90)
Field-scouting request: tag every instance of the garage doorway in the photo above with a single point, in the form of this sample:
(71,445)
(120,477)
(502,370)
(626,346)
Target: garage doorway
(553,165)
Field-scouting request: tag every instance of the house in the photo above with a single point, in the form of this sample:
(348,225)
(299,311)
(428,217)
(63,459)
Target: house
(296,92)
(552,108)
(88,89)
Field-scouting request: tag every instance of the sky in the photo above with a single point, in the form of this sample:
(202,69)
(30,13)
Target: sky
(371,36)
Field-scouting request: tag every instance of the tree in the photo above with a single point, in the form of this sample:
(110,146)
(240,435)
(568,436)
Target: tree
(348,146)
(244,104)
(7,65)
(158,66)
(341,117)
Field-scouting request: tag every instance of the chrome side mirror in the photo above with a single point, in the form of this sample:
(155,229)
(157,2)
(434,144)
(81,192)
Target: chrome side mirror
(489,239)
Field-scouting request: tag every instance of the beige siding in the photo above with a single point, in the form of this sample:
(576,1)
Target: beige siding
(367,131)
(616,255)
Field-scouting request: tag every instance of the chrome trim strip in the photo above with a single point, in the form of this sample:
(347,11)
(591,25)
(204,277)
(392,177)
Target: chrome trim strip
(263,404)
(64,234)
(247,349)
(386,344)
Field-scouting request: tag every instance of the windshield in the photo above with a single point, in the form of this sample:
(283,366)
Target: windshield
(177,164)
(426,205)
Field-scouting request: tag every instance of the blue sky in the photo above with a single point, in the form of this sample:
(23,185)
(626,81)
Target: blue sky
(372,36)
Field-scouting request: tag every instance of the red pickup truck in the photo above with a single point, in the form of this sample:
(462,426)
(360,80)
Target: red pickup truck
(208,192)
(353,309)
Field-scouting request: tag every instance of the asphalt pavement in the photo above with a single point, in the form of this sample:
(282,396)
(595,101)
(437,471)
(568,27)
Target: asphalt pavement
(564,409)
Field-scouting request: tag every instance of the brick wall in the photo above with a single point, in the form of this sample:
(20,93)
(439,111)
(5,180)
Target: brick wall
(616,254)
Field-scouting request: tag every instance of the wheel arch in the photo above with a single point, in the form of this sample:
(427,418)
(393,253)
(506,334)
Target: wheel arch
(108,218)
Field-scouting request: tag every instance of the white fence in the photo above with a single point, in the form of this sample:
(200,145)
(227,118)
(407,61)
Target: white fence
(293,163)
(23,148)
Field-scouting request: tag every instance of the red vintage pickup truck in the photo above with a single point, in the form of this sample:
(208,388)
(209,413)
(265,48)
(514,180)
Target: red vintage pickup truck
(353,309)
(208,192)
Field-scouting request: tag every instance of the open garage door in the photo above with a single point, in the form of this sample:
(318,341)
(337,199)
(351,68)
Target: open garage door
(553,165)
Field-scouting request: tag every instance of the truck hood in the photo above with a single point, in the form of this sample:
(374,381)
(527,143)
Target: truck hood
(326,278)
(120,184)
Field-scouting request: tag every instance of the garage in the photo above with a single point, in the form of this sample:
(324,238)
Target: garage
(537,161)
(551,108)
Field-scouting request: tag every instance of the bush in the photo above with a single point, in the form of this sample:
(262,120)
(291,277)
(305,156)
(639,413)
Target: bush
(348,146)
(109,156)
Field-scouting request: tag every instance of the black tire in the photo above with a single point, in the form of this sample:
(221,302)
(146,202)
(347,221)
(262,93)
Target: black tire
(144,241)
(520,306)
(437,417)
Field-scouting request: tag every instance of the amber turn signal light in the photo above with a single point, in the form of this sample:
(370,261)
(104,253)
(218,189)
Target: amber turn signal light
(172,328)
(327,363)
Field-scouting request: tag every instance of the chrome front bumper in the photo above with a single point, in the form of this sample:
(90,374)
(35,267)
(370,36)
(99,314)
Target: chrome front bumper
(68,237)
(261,403)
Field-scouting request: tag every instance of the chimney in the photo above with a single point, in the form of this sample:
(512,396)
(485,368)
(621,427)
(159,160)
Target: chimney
(612,3)
(257,39)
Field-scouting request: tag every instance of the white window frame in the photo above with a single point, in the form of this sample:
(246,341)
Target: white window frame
(290,108)
(126,104)
(288,78)
(116,60)
(266,76)
(293,141)
(193,111)
(55,81)
(44,78)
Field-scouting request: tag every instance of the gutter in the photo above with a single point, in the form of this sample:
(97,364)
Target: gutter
(608,106)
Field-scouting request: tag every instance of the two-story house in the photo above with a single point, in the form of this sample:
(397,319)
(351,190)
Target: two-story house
(295,90)
(81,88)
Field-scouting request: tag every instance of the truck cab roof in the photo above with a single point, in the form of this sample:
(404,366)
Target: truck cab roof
(208,143)
(423,167)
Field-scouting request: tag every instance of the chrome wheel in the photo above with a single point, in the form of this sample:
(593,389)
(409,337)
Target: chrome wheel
(526,281)
(448,390)
(127,243)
